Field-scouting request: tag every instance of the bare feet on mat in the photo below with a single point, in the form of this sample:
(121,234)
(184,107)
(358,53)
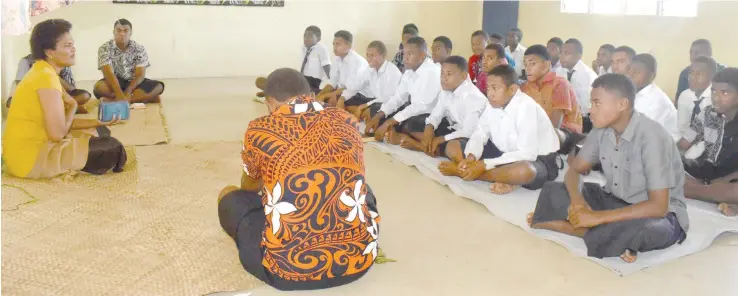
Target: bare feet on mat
(729,210)
(448,168)
(82,110)
(155,100)
(529,219)
(502,188)
(628,257)
(260,94)
(409,143)
(393,137)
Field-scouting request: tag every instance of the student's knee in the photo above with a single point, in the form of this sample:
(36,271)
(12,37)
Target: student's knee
(226,191)
(158,89)
(453,151)
(553,203)
(261,83)
(101,89)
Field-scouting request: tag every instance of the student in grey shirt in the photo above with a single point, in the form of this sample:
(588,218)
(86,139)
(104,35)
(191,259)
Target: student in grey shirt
(641,208)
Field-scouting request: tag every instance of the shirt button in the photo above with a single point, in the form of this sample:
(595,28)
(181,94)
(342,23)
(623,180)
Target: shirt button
(616,184)
(616,167)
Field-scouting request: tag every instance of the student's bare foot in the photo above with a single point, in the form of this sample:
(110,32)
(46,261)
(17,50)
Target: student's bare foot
(729,210)
(529,219)
(409,143)
(260,94)
(393,137)
(628,257)
(156,100)
(448,168)
(502,188)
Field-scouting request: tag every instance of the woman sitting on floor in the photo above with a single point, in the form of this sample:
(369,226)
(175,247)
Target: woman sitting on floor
(42,138)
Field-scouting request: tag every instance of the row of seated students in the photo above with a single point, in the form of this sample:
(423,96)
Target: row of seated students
(509,125)
(514,137)
(42,137)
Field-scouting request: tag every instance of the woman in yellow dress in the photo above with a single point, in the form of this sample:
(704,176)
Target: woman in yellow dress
(42,138)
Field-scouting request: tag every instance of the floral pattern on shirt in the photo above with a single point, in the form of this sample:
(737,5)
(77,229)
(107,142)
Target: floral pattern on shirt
(124,63)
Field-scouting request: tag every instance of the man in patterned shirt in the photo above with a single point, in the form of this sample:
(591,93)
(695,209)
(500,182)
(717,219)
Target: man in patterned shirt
(67,81)
(123,63)
(711,160)
(314,225)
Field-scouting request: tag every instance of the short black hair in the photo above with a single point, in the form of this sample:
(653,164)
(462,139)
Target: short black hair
(445,41)
(459,61)
(345,35)
(518,33)
(506,72)
(410,31)
(703,42)
(379,46)
(286,83)
(619,84)
(315,30)
(608,47)
(727,75)
(557,41)
(538,50)
(497,36)
(627,50)
(709,62)
(648,61)
(498,48)
(577,44)
(419,42)
(411,25)
(123,22)
(482,33)
(45,35)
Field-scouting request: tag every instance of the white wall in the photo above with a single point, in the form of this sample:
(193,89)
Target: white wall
(220,41)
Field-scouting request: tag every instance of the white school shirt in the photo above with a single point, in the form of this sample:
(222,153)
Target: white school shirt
(581,80)
(686,103)
(318,58)
(556,67)
(602,71)
(461,107)
(518,55)
(655,104)
(382,83)
(346,73)
(420,88)
(522,131)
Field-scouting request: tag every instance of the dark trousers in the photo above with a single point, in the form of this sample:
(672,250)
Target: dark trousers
(609,240)
(105,153)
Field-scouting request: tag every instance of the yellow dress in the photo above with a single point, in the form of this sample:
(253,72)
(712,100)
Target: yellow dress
(27,150)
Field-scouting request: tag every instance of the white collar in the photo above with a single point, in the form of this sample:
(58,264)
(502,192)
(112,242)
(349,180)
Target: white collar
(707,94)
(462,87)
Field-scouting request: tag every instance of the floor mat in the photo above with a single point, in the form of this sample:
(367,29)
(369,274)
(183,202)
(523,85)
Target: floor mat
(145,127)
(706,223)
(138,232)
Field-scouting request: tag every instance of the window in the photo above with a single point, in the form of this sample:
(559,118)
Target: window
(677,8)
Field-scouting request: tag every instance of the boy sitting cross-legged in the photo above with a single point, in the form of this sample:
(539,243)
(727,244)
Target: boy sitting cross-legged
(514,143)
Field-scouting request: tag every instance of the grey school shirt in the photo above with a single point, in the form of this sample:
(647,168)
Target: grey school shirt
(646,158)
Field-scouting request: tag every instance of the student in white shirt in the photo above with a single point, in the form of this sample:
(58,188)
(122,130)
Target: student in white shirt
(621,58)
(699,94)
(455,115)
(579,75)
(513,144)
(603,63)
(382,77)
(315,62)
(651,100)
(554,50)
(347,67)
(515,49)
(416,95)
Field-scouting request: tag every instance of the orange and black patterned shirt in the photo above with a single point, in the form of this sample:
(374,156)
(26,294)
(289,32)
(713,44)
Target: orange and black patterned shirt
(320,223)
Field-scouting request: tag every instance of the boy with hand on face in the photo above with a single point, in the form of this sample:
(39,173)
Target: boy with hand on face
(455,115)
(641,207)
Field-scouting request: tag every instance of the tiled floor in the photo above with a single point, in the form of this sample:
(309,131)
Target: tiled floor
(444,244)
